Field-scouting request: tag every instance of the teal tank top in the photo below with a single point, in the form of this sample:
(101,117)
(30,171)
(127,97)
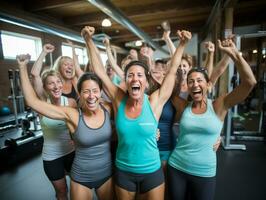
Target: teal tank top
(137,150)
(194,152)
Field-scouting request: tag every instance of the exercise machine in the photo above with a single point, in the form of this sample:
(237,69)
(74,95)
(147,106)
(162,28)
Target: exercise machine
(227,145)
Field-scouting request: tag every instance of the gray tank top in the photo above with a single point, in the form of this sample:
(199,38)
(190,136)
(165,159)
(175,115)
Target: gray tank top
(92,160)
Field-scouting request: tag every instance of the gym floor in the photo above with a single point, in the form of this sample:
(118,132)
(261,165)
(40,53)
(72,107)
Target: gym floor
(241,175)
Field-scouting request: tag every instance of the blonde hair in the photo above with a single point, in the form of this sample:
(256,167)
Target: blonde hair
(47,73)
(188,58)
(58,63)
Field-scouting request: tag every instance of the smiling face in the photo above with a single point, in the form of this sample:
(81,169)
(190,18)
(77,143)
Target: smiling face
(184,66)
(133,53)
(110,72)
(53,86)
(197,86)
(136,82)
(159,71)
(67,68)
(90,95)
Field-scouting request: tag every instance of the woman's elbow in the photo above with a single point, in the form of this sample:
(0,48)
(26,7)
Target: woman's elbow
(34,74)
(251,83)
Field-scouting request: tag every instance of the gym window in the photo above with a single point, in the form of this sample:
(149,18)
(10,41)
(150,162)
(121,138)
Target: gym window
(80,51)
(14,44)
(104,57)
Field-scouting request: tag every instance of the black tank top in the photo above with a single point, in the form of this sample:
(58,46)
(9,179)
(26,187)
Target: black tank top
(73,94)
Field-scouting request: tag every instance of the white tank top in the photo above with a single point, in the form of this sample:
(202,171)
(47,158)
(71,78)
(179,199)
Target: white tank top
(57,141)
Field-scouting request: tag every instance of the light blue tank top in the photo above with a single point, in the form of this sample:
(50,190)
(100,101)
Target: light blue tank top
(57,141)
(194,152)
(137,149)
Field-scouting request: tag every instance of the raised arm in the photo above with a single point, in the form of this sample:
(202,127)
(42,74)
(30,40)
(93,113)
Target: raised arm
(78,70)
(247,82)
(169,42)
(210,57)
(111,59)
(111,89)
(163,94)
(146,56)
(42,107)
(37,68)
(219,69)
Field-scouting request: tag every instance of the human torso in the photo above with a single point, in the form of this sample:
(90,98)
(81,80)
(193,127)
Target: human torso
(137,150)
(165,126)
(194,152)
(92,160)
(57,140)
(69,91)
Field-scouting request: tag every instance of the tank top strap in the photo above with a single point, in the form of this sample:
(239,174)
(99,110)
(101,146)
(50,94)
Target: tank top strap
(80,112)
(106,112)
(210,106)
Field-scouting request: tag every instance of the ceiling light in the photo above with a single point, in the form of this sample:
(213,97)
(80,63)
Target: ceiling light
(255,51)
(138,43)
(106,23)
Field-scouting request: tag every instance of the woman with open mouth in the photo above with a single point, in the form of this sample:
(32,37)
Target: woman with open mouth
(58,150)
(70,71)
(90,127)
(138,166)
(192,165)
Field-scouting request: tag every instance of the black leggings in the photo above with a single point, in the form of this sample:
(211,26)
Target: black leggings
(184,186)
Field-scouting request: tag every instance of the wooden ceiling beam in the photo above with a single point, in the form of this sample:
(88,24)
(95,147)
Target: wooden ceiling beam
(156,22)
(34,6)
(136,13)
(121,37)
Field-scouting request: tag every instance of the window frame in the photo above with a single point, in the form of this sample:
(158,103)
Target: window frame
(84,50)
(37,42)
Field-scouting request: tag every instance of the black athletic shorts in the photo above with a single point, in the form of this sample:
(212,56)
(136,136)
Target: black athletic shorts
(94,184)
(140,183)
(55,169)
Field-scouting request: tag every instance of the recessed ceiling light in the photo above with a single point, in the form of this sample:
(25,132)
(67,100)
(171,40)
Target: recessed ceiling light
(138,43)
(106,23)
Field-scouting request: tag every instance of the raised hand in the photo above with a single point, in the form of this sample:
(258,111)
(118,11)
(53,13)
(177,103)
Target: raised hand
(166,35)
(228,46)
(184,36)
(106,41)
(133,54)
(166,26)
(23,59)
(87,31)
(48,48)
(209,46)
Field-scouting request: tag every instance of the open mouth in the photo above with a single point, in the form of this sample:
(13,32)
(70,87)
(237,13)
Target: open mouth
(135,89)
(91,102)
(197,93)
(69,72)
